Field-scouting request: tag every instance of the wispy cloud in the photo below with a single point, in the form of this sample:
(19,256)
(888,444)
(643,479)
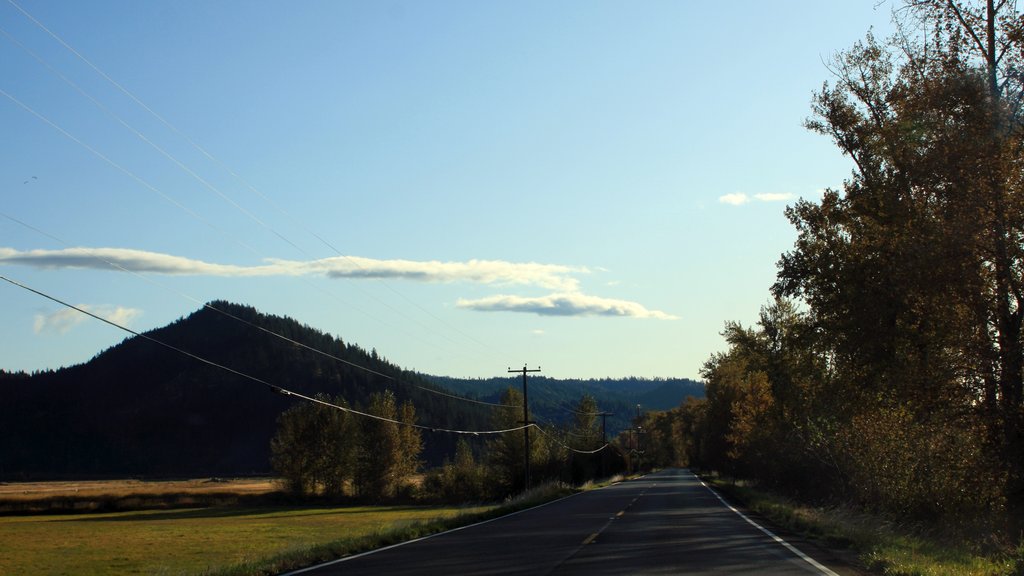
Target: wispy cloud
(739,198)
(551,276)
(124,258)
(563,304)
(567,299)
(63,320)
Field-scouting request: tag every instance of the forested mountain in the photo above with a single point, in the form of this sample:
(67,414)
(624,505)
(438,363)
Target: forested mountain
(139,408)
(142,409)
(552,400)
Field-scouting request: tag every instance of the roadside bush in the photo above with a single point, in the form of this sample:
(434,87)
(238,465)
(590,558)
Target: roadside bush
(897,463)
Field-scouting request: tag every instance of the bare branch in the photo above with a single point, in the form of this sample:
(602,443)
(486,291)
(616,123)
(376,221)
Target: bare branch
(963,22)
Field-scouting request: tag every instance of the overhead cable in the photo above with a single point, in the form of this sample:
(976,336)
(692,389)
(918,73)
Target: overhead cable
(570,448)
(217,161)
(272,387)
(225,313)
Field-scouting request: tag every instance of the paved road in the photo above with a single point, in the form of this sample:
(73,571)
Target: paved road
(664,523)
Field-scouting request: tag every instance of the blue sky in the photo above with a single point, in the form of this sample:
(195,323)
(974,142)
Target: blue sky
(590,187)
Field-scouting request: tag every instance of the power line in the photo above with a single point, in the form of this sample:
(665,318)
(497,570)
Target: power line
(465,399)
(219,163)
(159,192)
(570,448)
(272,387)
(374,416)
(181,206)
(99,258)
(574,411)
(181,165)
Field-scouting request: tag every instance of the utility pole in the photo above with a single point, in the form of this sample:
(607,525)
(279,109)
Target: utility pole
(526,425)
(632,453)
(604,425)
(604,439)
(639,431)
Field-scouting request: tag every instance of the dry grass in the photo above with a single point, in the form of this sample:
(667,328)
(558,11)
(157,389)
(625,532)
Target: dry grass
(190,541)
(122,495)
(22,491)
(884,546)
(224,540)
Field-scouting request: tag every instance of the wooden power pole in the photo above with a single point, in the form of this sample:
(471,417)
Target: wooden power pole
(526,424)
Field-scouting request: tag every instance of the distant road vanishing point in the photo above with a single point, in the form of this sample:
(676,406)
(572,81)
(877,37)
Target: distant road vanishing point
(664,523)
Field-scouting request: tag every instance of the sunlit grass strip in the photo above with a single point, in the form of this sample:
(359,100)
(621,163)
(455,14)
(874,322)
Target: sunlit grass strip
(225,541)
(193,541)
(883,546)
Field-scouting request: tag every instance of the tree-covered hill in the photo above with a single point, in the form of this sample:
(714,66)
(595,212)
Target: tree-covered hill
(142,409)
(139,408)
(552,400)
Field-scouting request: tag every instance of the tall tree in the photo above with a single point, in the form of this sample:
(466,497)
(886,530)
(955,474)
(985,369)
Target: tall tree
(411,441)
(914,271)
(585,430)
(389,452)
(314,449)
(584,435)
(506,451)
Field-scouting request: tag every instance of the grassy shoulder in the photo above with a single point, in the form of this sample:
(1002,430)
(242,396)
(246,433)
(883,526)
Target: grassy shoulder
(234,540)
(882,545)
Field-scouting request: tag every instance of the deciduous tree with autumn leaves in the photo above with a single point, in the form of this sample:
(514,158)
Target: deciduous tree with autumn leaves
(889,366)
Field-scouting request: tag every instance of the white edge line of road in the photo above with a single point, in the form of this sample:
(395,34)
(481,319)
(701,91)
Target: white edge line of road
(824,569)
(420,539)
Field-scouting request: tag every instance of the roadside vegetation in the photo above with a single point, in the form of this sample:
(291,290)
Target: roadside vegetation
(882,544)
(883,385)
(322,451)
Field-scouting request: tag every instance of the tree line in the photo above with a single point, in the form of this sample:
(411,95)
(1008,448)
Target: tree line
(887,368)
(320,450)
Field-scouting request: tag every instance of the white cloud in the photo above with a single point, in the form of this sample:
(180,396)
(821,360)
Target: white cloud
(735,199)
(117,258)
(63,320)
(563,304)
(739,198)
(566,301)
(550,276)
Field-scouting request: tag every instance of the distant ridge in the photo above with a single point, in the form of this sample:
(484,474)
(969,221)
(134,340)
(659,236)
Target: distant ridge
(139,409)
(551,399)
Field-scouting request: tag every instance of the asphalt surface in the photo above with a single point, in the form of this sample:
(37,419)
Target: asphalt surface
(664,523)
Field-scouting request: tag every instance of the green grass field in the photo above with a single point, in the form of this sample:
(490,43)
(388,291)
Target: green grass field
(193,541)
